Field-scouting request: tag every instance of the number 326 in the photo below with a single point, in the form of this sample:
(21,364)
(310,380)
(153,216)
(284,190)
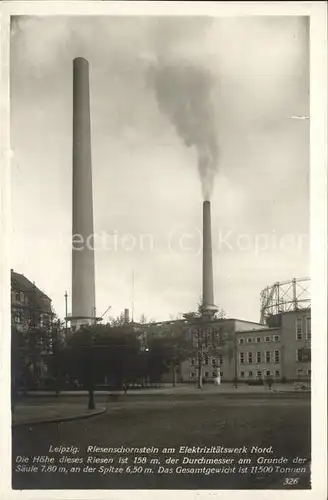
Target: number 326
(291,480)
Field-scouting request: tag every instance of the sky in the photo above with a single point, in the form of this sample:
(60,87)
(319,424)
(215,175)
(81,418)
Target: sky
(168,96)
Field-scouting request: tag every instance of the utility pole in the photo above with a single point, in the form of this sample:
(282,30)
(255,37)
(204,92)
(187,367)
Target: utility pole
(34,334)
(66,313)
(174,357)
(199,359)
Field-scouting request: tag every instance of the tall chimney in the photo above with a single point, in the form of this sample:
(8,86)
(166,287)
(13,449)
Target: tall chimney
(208,306)
(83,265)
(126,316)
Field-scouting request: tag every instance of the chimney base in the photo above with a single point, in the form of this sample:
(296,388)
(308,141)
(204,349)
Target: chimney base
(208,312)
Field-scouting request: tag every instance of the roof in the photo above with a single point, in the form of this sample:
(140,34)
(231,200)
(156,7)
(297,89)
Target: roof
(262,330)
(248,321)
(20,283)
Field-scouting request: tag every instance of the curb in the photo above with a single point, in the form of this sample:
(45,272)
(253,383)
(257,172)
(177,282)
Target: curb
(178,394)
(53,420)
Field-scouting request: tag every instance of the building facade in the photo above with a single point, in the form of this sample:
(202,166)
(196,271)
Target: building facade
(280,350)
(31,337)
(29,305)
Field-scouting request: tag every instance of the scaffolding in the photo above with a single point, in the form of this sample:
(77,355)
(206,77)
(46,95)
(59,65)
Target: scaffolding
(285,296)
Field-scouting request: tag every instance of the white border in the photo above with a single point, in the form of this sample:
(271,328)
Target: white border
(318,126)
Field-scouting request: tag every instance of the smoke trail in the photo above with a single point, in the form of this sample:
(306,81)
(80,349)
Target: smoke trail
(183,92)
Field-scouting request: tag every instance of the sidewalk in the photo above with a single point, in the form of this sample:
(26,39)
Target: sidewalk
(168,389)
(36,414)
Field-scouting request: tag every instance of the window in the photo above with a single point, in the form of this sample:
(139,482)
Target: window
(221,359)
(276,338)
(192,375)
(249,340)
(241,341)
(250,374)
(192,361)
(17,296)
(267,356)
(258,357)
(298,325)
(277,356)
(44,320)
(206,360)
(309,372)
(242,358)
(250,357)
(277,373)
(267,339)
(298,355)
(206,374)
(259,374)
(221,374)
(242,374)
(308,328)
(268,373)
(258,339)
(299,371)
(214,374)
(213,361)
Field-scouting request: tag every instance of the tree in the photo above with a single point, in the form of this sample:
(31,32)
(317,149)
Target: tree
(208,339)
(58,341)
(99,353)
(144,320)
(170,339)
(31,346)
(118,321)
(194,336)
(81,362)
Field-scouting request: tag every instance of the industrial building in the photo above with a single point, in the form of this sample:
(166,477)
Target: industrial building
(257,352)
(278,346)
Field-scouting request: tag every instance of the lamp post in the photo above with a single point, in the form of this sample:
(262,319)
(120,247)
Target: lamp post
(235,355)
(90,371)
(199,360)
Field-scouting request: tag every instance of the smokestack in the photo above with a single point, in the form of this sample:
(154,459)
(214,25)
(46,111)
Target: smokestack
(83,266)
(126,316)
(208,306)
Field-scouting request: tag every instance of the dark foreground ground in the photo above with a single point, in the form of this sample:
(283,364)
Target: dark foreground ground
(281,422)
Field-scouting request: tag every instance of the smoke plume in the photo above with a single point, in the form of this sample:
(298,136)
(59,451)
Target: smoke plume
(183,92)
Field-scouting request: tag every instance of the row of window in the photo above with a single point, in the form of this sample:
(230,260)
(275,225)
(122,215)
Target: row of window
(209,361)
(259,374)
(207,374)
(257,357)
(250,374)
(19,318)
(300,371)
(257,340)
(303,328)
(265,357)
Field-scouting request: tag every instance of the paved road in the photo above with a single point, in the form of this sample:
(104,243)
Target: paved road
(282,423)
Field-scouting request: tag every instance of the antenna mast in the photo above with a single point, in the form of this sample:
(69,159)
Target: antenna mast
(132,308)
